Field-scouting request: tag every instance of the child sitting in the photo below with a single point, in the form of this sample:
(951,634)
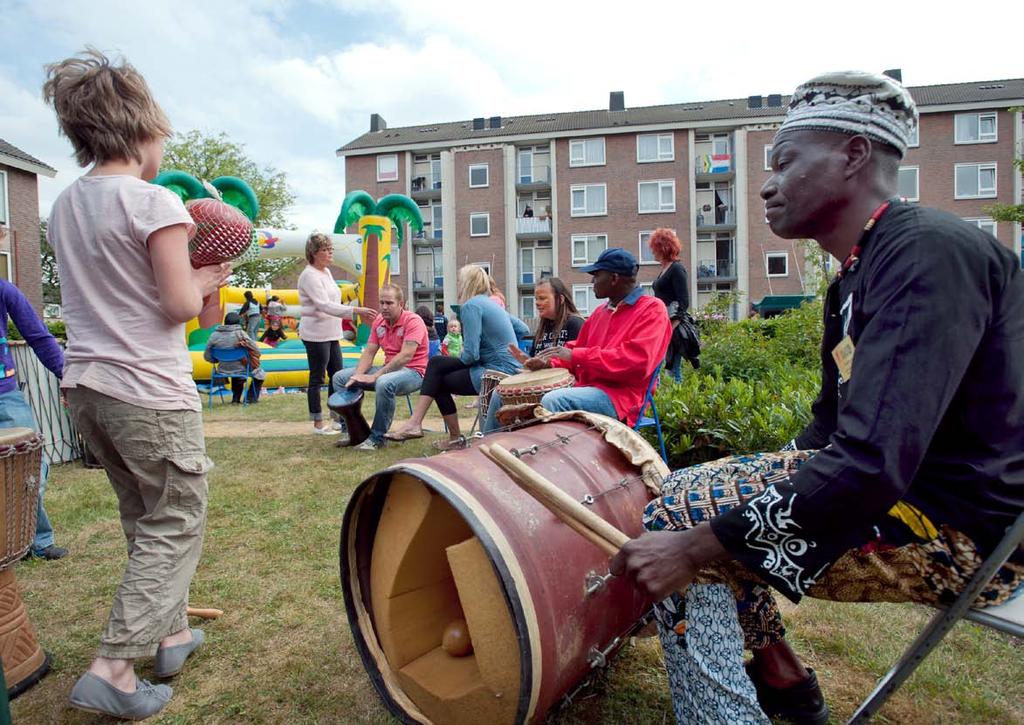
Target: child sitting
(452,345)
(228,336)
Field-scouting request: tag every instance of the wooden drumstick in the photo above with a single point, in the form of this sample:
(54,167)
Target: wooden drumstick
(205,613)
(575,514)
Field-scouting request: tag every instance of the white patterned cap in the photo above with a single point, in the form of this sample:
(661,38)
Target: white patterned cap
(854,103)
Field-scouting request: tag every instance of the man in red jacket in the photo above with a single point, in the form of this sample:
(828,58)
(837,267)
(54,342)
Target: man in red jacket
(618,349)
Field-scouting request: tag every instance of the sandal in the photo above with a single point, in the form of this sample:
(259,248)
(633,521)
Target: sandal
(400,436)
(452,444)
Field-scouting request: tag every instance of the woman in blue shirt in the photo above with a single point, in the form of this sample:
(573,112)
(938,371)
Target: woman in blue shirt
(486,334)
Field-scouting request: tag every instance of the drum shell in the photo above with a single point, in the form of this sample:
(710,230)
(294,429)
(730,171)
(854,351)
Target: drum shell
(541,563)
(20,469)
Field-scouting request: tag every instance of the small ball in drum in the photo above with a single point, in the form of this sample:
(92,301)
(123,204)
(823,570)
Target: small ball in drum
(455,640)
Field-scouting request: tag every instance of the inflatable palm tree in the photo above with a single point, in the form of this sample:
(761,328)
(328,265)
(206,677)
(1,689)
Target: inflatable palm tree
(374,220)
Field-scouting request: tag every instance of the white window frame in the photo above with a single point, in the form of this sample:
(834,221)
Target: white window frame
(584,144)
(661,184)
(988,138)
(381,177)
(396,259)
(588,292)
(486,215)
(659,156)
(981,194)
(584,187)
(590,238)
(522,306)
(776,255)
(487,176)
(645,246)
(915,139)
(768,156)
(917,181)
(5,213)
(983,222)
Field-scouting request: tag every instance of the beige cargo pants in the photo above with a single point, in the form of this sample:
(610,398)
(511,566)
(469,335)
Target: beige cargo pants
(156,461)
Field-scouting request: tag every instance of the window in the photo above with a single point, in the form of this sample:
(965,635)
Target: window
(387,167)
(527,310)
(720,144)
(3,197)
(654,147)
(985,224)
(656,196)
(479,225)
(584,299)
(915,136)
(974,181)
(589,200)
(974,128)
(767,157)
(478,176)
(777,264)
(586,152)
(646,256)
(647,287)
(908,183)
(396,258)
(587,247)
(437,230)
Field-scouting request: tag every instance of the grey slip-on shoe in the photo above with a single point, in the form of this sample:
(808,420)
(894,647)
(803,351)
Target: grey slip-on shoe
(94,694)
(170,660)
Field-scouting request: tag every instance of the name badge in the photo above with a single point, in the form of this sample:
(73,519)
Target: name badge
(843,355)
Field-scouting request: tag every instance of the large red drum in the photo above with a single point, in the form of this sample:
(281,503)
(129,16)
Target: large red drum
(428,542)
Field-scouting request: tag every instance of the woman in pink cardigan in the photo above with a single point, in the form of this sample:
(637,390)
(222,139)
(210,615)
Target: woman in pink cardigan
(320,327)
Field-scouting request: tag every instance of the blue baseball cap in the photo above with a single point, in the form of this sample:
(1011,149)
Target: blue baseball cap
(615,260)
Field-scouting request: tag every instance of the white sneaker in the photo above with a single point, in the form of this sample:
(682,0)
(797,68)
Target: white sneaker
(369,445)
(338,426)
(325,431)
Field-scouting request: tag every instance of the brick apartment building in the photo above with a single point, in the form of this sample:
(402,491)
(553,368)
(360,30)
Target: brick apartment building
(596,179)
(19,211)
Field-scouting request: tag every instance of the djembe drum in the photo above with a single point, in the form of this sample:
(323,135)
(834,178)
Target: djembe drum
(222,232)
(348,404)
(469,601)
(522,392)
(24,660)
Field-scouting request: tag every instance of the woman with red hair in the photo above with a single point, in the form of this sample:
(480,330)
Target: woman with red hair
(673,288)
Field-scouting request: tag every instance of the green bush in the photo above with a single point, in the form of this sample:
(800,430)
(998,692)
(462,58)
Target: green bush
(56,328)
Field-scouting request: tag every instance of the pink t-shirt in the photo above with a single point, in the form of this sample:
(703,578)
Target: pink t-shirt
(120,343)
(408,326)
(321,307)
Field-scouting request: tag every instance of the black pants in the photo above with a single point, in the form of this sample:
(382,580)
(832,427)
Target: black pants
(447,376)
(237,385)
(323,357)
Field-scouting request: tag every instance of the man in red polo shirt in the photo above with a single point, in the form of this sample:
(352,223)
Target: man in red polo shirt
(403,337)
(618,348)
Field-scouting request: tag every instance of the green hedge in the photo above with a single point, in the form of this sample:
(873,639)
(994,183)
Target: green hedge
(56,328)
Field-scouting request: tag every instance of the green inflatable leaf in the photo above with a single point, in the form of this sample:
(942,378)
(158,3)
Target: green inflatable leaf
(186,186)
(239,194)
(355,205)
(401,210)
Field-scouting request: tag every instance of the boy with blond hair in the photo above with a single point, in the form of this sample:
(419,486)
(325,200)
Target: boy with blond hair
(128,288)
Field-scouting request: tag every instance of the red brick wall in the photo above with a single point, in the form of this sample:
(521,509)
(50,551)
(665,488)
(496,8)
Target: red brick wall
(623,223)
(23,232)
(490,200)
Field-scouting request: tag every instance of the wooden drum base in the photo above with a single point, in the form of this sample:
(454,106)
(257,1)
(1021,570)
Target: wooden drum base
(24,661)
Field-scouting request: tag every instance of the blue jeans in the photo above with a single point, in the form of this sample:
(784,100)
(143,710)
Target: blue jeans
(388,387)
(16,413)
(592,400)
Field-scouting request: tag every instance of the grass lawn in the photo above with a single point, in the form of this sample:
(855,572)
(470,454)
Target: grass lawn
(282,652)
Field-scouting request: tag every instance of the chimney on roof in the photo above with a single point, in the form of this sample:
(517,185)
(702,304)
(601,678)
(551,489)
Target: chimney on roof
(774,100)
(754,102)
(377,123)
(478,124)
(495,122)
(617,101)
(895,73)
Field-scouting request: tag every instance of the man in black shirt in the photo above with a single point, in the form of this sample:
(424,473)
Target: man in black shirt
(920,422)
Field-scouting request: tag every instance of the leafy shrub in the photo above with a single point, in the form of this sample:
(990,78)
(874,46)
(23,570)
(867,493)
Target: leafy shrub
(56,328)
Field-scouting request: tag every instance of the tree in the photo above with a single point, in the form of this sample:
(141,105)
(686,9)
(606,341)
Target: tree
(1009,212)
(48,267)
(207,157)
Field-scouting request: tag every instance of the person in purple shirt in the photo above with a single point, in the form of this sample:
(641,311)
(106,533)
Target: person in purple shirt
(14,410)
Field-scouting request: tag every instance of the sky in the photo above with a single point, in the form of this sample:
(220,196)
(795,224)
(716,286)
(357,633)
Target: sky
(292,81)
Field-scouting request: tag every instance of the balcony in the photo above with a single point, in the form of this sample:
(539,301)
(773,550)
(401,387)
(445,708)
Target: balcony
(722,218)
(428,237)
(533,178)
(713,167)
(534,228)
(427,281)
(716,269)
(425,188)
(530,277)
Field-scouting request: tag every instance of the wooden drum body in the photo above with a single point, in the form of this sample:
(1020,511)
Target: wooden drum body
(428,542)
(348,404)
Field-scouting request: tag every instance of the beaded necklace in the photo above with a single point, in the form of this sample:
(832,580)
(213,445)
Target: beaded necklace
(854,256)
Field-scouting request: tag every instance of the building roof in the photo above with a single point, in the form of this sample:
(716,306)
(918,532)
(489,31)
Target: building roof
(701,112)
(13,156)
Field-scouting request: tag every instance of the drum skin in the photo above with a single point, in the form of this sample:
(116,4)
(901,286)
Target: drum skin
(530,386)
(542,565)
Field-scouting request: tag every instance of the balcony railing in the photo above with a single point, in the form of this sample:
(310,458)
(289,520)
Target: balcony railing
(722,215)
(533,225)
(426,183)
(712,268)
(535,275)
(427,234)
(427,280)
(534,175)
(713,163)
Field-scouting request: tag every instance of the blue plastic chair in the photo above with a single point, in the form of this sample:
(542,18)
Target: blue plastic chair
(229,354)
(645,421)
